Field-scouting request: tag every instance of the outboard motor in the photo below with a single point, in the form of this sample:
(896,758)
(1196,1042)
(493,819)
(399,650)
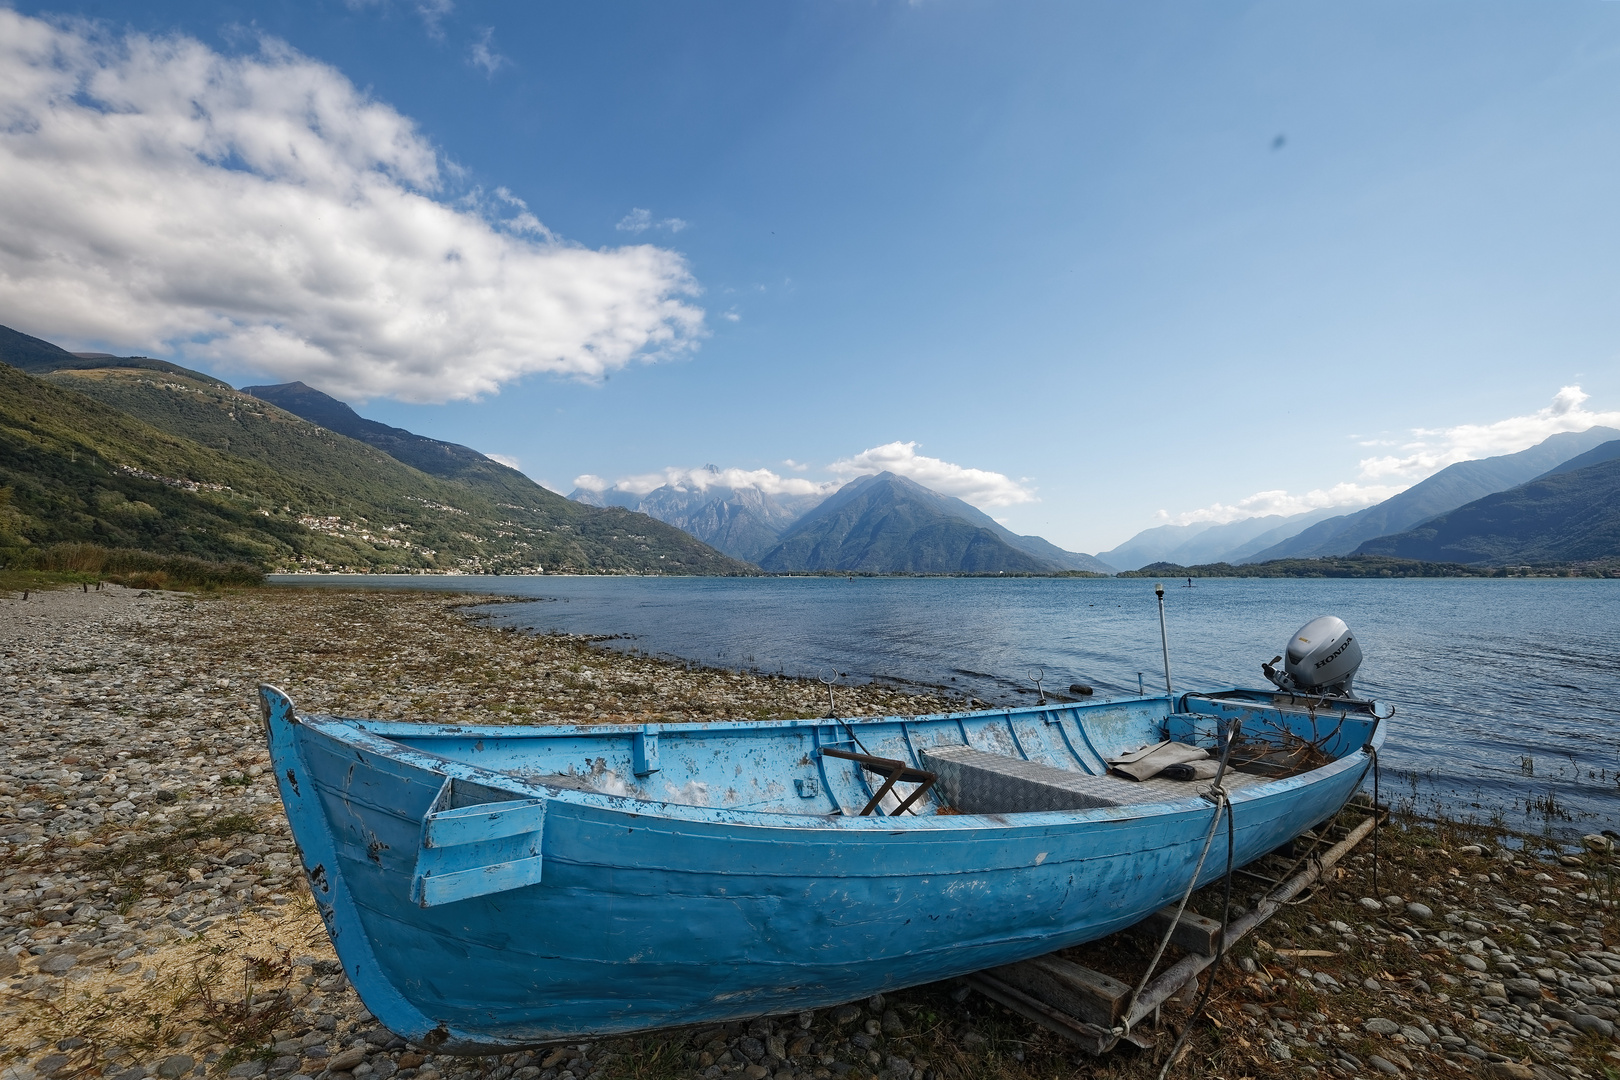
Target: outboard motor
(1322,659)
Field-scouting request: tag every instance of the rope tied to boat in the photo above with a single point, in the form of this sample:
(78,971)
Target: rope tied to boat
(1372,752)
(1226,900)
(1223,806)
(1220,952)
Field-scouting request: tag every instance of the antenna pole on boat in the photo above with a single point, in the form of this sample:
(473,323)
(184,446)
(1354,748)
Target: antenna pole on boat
(1164,640)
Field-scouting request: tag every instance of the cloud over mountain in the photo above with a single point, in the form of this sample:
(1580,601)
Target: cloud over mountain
(980,487)
(261,213)
(709,476)
(1422,454)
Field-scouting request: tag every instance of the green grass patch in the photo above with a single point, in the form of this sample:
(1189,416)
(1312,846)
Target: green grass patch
(77,564)
(168,851)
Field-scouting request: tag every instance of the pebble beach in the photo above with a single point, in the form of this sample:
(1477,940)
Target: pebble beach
(154,920)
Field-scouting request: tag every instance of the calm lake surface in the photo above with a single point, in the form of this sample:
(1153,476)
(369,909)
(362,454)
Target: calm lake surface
(1507,690)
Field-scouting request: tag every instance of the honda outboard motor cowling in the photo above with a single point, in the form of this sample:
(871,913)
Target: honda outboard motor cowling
(1322,659)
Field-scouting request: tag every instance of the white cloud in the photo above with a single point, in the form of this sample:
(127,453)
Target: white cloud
(1425,453)
(1281,502)
(506,459)
(980,487)
(484,55)
(1432,449)
(591,482)
(711,476)
(262,214)
(976,486)
(639,221)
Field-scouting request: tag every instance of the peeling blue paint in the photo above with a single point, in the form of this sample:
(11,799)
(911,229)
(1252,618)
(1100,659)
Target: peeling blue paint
(656,907)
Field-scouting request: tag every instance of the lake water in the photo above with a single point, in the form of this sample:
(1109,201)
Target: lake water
(1507,690)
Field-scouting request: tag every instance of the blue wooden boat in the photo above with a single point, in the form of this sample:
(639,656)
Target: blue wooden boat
(494,887)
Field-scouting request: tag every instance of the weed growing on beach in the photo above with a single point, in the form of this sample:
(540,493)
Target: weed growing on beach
(244,1022)
(164,852)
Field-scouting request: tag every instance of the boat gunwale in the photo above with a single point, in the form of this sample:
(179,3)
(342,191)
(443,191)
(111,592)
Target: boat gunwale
(374,737)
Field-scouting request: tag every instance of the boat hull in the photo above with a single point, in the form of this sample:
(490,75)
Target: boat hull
(650,915)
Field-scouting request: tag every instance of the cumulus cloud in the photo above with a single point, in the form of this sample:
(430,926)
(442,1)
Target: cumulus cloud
(977,486)
(506,459)
(1432,449)
(1424,453)
(639,221)
(980,487)
(262,214)
(687,479)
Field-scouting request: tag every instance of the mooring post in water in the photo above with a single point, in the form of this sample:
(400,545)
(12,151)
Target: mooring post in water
(1164,639)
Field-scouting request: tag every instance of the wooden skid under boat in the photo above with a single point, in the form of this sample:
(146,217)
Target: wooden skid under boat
(493,887)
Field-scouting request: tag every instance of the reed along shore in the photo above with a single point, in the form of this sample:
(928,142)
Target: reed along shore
(154,921)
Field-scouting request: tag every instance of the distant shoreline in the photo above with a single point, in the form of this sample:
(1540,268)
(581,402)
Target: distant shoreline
(1375,566)
(1349,566)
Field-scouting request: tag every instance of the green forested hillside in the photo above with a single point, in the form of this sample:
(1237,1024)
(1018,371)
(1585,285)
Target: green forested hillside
(1562,517)
(161,461)
(448,461)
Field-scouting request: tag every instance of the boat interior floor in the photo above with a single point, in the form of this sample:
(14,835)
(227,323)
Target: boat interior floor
(976,782)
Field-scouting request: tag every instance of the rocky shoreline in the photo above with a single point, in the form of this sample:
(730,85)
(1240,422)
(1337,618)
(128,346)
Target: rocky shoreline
(154,923)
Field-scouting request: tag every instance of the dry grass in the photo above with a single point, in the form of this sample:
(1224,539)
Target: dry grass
(223,990)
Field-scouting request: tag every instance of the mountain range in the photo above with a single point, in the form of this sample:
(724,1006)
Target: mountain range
(1451,487)
(1205,542)
(743,522)
(1569,514)
(141,453)
(1324,533)
(138,453)
(891,524)
(884,524)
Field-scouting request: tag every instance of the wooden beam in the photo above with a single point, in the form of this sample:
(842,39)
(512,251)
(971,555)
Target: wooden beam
(1175,977)
(1192,932)
(1087,1006)
(1095,1039)
(1078,991)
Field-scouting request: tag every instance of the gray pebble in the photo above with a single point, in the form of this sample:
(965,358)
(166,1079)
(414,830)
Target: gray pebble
(58,963)
(1379,1026)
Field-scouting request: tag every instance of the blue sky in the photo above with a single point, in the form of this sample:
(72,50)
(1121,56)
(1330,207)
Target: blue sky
(1107,262)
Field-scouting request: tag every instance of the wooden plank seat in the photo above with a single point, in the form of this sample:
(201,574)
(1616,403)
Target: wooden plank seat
(977,782)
